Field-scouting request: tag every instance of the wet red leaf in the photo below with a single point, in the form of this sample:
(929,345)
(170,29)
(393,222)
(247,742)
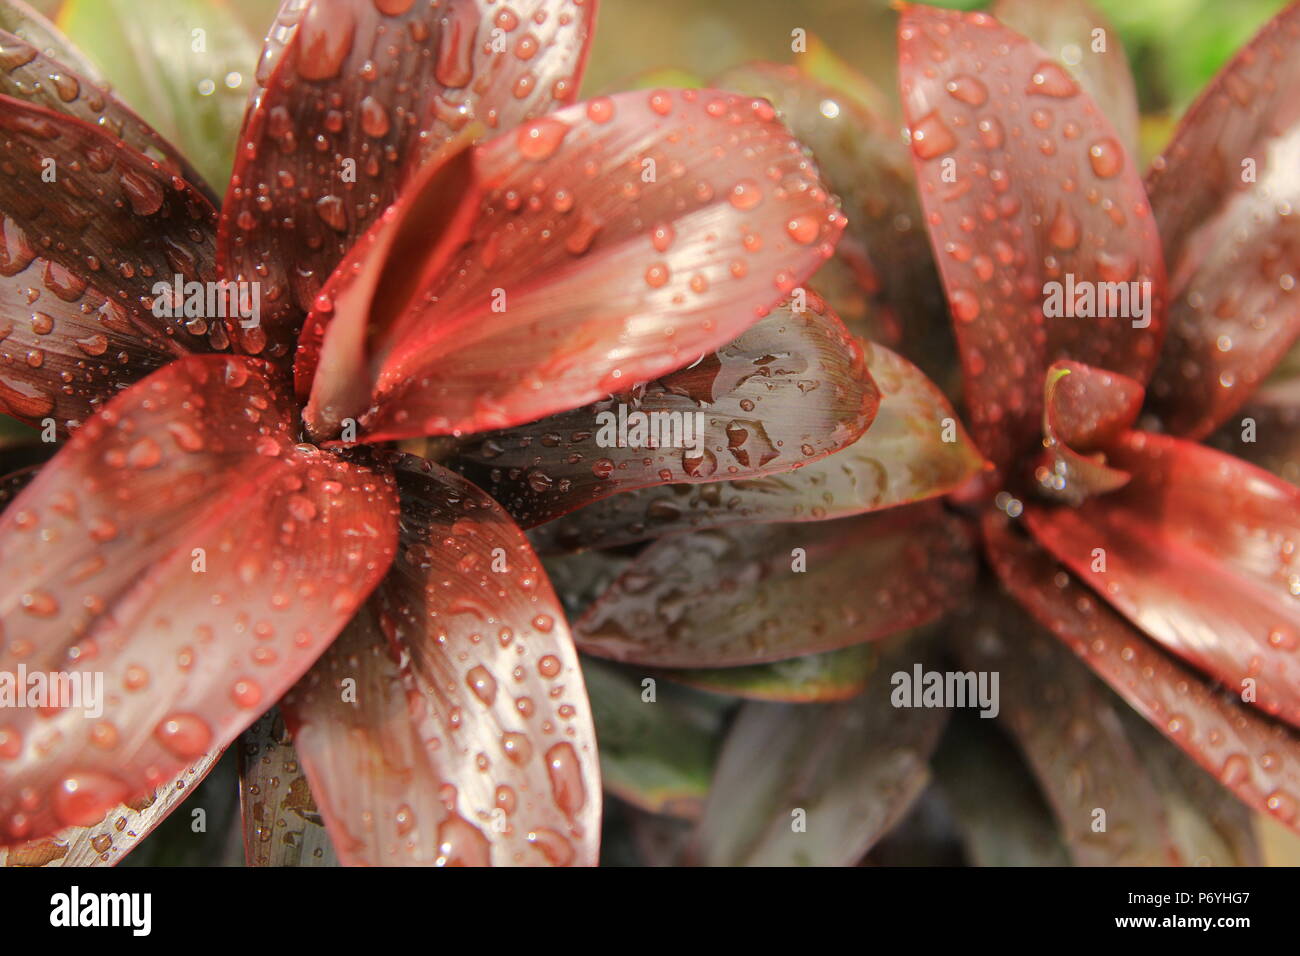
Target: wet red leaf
(1197,551)
(915,449)
(354,95)
(1223,194)
(44,80)
(1024,183)
(1067,30)
(661,225)
(755,593)
(464,736)
(80,257)
(183,546)
(789,391)
(1253,756)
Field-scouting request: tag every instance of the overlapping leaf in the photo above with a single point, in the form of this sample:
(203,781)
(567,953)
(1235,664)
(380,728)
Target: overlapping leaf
(282,826)
(750,594)
(863,161)
(449,724)
(1105,804)
(1078,36)
(1025,183)
(1224,194)
(90,228)
(1256,758)
(818,784)
(657,742)
(915,449)
(1197,551)
(108,841)
(789,391)
(184,548)
(611,242)
(42,78)
(352,97)
(1086,409)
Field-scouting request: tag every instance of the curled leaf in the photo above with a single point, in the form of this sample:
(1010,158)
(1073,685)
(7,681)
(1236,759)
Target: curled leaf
(1086,409)
(353,97)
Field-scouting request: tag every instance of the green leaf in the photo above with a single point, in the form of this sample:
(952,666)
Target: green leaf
(655,754)
(186,66)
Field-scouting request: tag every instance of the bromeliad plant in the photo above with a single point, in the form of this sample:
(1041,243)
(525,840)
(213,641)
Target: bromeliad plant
(1104,326)
(439,257)
(439,244)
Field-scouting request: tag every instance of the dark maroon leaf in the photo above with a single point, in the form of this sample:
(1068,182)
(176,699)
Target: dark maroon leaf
(44,80)
(1223,194)
(818,784)
(1256,758)
(449,724)
(1063,721)
(1025,183)
(1197,551)
(789,391)
(380,86)
(736,596)
(915,449)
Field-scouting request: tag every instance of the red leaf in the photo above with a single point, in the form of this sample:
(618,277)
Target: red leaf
(468,740)
(1197,554)
(728,597)
(79,261)
(580,277)
(385,85)
(1254,757)
(902,458)
(183,546)
(1222,194)
(1024,183)
(789,391)
(885,245)
(60,87)
(1072,738)
(1087,409)
(1267,433)
(1067,30)
(107,842)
